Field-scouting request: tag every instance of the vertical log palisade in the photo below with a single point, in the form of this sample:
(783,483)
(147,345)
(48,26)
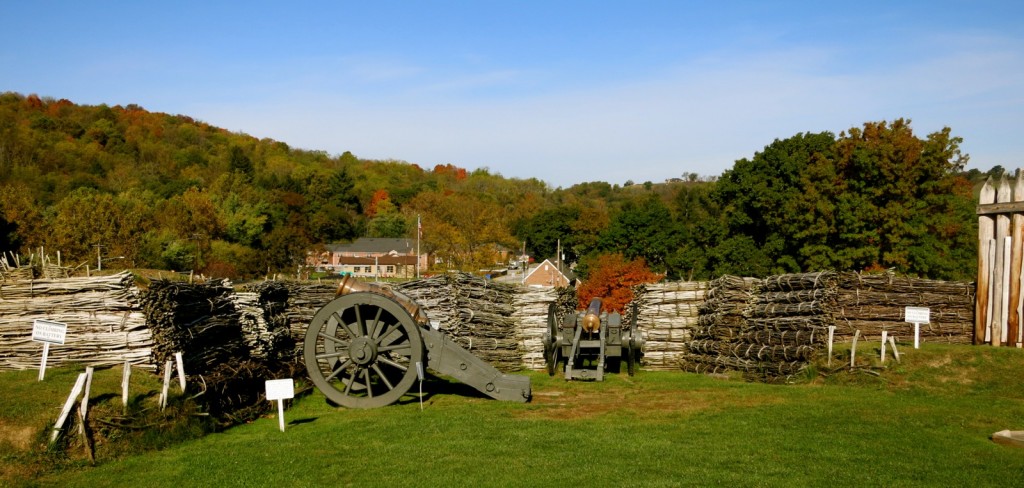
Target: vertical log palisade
(998,301)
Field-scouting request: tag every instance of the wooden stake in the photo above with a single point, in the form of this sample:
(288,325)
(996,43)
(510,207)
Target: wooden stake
(895,352)
(1000,280)
(1004,300)
(853,348)
(126,375)
(884,334)
(991,290)
(986,231)
(75,391)
(83,415)
(831,336)
(181,370)
(167,383)
(83,410)
(1016,261)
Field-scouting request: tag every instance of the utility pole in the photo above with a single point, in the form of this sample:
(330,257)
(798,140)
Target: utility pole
(419,231)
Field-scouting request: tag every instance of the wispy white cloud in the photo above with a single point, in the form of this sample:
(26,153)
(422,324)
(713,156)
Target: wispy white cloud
(698,116)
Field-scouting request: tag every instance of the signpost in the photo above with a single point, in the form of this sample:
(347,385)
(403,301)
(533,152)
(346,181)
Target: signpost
(419,374)
(48,332)
(917,316)
(280,390)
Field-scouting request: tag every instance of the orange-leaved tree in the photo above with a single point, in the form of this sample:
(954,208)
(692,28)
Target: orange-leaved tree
(612,279)
(379,196)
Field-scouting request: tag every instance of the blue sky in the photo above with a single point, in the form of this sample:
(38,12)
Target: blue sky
(563,91)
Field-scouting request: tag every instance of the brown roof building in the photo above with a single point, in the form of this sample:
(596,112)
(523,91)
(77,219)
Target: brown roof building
(372,257)
(550,273)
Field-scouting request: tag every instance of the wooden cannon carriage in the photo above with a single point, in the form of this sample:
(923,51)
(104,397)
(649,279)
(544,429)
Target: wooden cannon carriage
(368,346)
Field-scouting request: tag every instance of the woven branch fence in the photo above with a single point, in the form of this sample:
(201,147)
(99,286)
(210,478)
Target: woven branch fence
(105,323)
(772,328)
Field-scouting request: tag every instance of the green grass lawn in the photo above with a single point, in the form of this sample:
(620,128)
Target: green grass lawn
(924,422)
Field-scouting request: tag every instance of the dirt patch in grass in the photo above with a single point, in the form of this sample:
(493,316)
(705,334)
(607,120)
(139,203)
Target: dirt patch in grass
(18,437)
(961,376)
(940,361)
(581,404)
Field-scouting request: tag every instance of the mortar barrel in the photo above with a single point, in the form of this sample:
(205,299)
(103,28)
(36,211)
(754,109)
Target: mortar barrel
(592,319)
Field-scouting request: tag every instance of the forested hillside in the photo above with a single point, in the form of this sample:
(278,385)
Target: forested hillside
(154,190)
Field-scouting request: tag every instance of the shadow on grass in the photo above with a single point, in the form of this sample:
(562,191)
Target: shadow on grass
(432,386)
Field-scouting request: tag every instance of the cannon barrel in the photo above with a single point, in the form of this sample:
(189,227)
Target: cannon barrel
(592,319)
(352,285)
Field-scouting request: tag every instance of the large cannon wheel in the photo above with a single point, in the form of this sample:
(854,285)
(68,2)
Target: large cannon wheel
(361,350)
(630,349)
(551,349)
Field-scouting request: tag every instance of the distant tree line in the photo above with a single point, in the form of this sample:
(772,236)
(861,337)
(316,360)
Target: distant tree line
(152,190)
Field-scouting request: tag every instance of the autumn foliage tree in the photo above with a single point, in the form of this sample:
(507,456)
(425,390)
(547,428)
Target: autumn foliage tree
(463,230)
(167,191)
(612,279)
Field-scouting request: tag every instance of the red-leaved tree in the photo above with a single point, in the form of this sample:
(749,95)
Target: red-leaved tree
(612,278)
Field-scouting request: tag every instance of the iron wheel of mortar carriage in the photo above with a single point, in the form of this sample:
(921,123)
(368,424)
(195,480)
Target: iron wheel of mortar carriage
(361,350)
(632,351)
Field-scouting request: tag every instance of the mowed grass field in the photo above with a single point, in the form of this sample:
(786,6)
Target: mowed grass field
(923,422)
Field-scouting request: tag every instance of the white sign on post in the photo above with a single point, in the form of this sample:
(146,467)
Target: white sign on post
(280,390)
(917,316)
(48,332)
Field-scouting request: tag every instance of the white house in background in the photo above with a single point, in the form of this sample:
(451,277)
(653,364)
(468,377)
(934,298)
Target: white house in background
(370,257)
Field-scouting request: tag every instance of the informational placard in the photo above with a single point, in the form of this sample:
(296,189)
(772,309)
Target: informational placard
(280,390)
(917,315)
(49,331)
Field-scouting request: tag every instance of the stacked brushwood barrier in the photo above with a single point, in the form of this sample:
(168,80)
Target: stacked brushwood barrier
(476,313)
(667,315)
(771,328)
(788,322)
(302,303)
(872,303)
(721,321)
(265,324)
(199,320)
(11,269)
(530,315)
(768,329)
(104,324)
(232,344)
